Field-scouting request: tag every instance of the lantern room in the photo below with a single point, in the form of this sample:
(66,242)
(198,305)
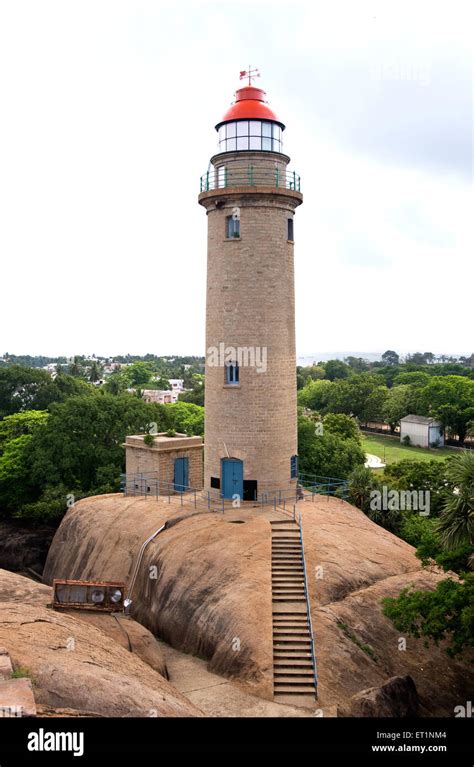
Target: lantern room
(250,124)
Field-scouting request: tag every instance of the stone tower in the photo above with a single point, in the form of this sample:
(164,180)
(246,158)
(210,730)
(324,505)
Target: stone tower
(250,195)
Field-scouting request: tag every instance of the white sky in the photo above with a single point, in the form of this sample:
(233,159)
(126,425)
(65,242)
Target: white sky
(107,114)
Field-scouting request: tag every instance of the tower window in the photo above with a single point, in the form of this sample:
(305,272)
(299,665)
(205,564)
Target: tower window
(294,467)
(232,373)
(290,230)
(232,227)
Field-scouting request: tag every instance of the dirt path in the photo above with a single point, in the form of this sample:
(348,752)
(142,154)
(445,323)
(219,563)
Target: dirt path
(217,696)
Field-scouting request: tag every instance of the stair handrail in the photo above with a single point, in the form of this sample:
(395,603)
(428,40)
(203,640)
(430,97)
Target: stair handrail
(139,561)
(308,609)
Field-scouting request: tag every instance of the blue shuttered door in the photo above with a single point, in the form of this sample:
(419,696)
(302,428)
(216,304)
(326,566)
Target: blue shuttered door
(232,478)
(181,474)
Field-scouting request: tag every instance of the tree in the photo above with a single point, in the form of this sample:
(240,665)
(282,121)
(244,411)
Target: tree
(95,371)
(362,396)
(418,358)
(447,613)
(343,425)
(187,417)
(15,425)
(315,395)
(86,433)
(76,367)
(390,357)
(311,372)
(336,369)
(361,483)
(416,378)
(451,400)
(399,402)
(456,523)
(326,455)
(163,384)
(138,373)
(23,388)
(358,364)
(420,476)
(195,396)
(16,486)
(116,383)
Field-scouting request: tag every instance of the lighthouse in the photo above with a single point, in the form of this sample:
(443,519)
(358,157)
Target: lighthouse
(250,195)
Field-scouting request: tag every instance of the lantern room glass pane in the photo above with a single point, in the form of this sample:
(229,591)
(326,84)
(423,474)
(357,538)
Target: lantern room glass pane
(255,128)
(255,142)
(266,129)
(276,146)
(277,132)
(221,133)
(231,128)
(243,142)
(231,144)
(266,143)
(243,128)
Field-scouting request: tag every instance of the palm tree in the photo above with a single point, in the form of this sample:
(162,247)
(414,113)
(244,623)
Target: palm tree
(95,371)
(456,522)
(361,482)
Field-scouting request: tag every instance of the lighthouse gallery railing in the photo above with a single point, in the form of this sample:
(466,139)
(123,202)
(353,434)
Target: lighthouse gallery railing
(227,177)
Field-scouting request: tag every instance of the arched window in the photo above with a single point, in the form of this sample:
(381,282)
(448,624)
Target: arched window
(294,467)
(232,374)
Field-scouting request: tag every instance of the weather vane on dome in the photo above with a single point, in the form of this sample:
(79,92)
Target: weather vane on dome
(250,73)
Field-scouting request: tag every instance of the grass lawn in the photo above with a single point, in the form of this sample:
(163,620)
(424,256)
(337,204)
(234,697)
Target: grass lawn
(389,450)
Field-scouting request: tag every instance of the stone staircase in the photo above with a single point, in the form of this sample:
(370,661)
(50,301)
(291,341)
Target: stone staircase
(293,670)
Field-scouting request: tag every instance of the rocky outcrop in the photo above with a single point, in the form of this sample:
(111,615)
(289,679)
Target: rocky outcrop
(73,664)
(397,697)
(16,698)
(204,586)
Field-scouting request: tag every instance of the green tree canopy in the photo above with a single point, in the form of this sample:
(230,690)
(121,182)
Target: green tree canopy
(336,369)
(399,402)
(326,455)
(23,388)
(390,357)
(315,395)
(447,613)
(451,400)
(344,425)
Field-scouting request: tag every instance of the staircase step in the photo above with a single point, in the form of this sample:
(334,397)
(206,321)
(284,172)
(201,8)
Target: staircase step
(287,599)
(290,676)
(290,622)
(293,662)
(295,690)
(283,522)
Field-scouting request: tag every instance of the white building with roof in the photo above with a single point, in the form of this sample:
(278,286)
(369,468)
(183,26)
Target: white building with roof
(423,431)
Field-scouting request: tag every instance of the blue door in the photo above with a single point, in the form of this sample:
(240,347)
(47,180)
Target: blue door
(232,478)
(181,474)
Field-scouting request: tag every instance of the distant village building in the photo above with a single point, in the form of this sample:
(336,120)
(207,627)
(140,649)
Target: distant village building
(176,383)
(422,431)
(162,396)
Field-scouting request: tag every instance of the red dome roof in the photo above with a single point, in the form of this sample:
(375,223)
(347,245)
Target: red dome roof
(249,105)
